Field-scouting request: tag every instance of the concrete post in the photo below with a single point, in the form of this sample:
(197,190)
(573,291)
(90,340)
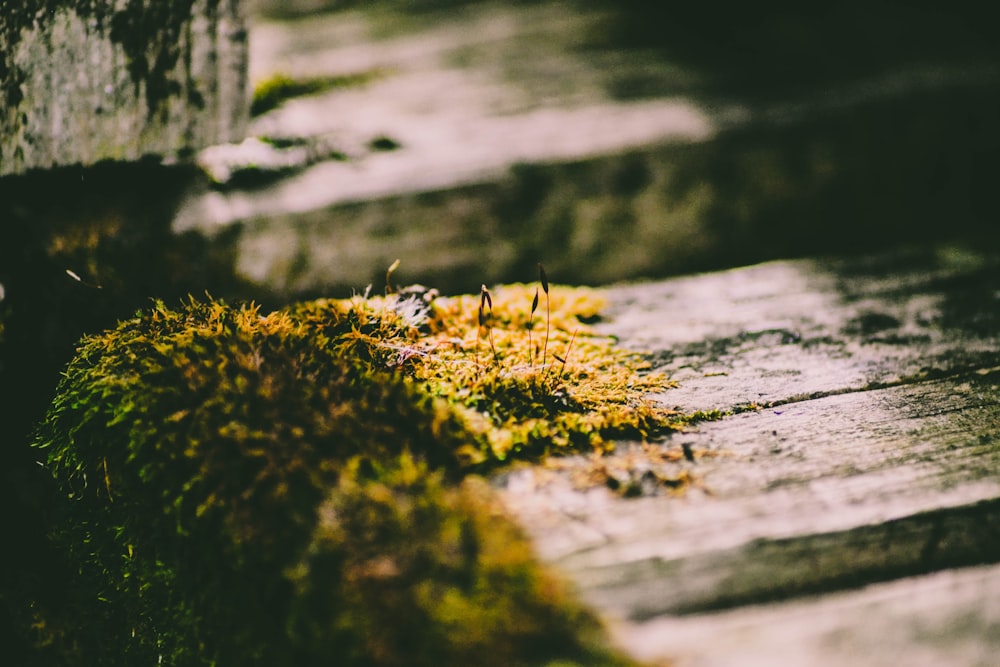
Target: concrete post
(83,81)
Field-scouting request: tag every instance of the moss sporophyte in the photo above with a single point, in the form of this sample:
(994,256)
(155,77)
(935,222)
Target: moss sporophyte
(285,488)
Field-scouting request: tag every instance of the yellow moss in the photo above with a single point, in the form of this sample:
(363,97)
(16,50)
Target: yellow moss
(430,573)
(276,89)
(294,486)
(523,383)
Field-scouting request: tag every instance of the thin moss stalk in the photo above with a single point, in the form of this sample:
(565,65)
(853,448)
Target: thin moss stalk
(548,309)
(531,326)
(486,319)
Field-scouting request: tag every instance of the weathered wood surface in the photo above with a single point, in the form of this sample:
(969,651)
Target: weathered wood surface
(82,82)
(863,448)
(946,618)
(524,131)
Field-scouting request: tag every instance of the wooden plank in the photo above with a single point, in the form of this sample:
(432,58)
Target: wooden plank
(788,331)
(946,618)
(870,453)
(496,168)
(807,481)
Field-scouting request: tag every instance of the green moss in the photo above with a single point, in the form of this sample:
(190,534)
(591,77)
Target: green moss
(404,569)
(278,88)
(512,401)
(197,445)
(706,416)
(279,489)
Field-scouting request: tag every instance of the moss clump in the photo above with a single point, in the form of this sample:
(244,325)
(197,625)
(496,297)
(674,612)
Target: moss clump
(273,91)
(405,569)
(583,394)
(286,489)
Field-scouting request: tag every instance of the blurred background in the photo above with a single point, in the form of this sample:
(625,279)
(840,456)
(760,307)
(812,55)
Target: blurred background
(610,140)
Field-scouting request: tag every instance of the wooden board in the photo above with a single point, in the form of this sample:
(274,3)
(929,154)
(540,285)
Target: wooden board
(862,447)
(950,617)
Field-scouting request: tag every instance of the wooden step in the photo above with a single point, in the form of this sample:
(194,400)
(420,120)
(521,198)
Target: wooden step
(859,445)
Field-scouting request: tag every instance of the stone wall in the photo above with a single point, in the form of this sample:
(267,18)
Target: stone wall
(83,81)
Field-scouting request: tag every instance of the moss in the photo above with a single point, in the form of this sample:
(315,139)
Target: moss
(584,393)
(109,225)
(204,439)
(384,143)
(279,489)
(707,415)
(408,570)
(278,88)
